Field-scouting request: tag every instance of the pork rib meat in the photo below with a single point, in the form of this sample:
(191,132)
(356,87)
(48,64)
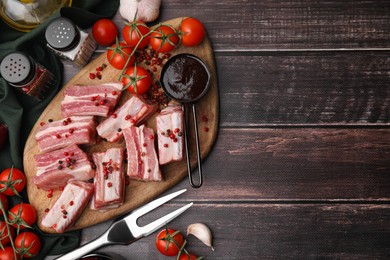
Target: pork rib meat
(69,205)
(109,180)
(141,154)
(91,100)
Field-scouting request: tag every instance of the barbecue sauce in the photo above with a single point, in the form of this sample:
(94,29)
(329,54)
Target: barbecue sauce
(185,78)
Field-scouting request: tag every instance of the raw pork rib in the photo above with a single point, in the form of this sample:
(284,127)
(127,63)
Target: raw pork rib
(109,180)
(69,205)
(141,155)
(170,134)
(61,133)
(55,169)
(94,100)
(133,112)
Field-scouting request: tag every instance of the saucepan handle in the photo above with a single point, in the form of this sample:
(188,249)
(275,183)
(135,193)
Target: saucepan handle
(200,178)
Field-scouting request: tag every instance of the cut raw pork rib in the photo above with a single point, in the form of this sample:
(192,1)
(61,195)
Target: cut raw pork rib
(141,155)
(133,112)
(109,179)
(94,100)
(61,133)
(170,134)
(69,205)
(56,168)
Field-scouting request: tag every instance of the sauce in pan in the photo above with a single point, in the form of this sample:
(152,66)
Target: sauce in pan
(185,78)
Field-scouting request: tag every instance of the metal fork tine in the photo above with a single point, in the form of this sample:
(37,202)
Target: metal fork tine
(154,204)
(151,227)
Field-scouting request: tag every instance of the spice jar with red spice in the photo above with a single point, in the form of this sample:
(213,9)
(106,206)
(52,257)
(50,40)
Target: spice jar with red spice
(24,73)
(65,39)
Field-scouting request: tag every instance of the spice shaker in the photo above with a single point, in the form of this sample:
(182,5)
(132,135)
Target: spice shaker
(69,42)
(23,72)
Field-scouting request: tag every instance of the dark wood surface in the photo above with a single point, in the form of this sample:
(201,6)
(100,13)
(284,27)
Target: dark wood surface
(301,165)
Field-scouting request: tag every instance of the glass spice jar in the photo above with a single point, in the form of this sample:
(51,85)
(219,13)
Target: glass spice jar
(24,73)
(69,42)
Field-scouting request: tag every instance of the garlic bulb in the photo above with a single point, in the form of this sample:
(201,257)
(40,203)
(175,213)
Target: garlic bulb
(146,10)
(202,232)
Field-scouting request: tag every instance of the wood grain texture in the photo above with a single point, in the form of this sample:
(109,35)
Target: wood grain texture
(308,24)
(294,164)
(262,231)
(304,88)
(137,193)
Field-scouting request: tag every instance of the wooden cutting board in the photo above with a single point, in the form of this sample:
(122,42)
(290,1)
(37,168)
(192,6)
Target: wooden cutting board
(137,192)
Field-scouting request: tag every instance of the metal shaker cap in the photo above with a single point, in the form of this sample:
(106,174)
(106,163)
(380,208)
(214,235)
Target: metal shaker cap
(17,68)
(62,34)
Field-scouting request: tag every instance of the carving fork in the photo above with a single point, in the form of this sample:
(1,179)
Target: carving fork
(124,230)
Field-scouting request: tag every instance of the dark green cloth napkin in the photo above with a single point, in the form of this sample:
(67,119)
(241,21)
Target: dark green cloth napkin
(20,112)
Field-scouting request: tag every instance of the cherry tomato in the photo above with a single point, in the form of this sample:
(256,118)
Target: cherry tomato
(28,244)
(184,256)
(169,242)
(104,31)
(4,237)
(192,32)
(12,181)
(21,215)
(138,77)
(8,254)
(118,54)
(133,32)
(4,200)
(164,39)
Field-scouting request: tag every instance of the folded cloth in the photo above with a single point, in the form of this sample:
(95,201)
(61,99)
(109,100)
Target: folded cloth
(20,112)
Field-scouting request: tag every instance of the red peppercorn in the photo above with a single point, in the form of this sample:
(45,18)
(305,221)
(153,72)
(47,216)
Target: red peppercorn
(171,136)
(166,145)
(206,129)
(144,144)
(66,154)
(49,195)
(114,93)
(64,216)
(58,136)
(102,102)
(72,153)
(42,123)
(71,130)
(151,137)
(46,210)
(132,121)
(113,115)
(71,203)
(175,140)
(109,184)
(99,69)
(92,98)
(127,117)
(177,130)
(91,75)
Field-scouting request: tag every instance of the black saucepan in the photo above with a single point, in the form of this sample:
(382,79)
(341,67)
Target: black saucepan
(186,78)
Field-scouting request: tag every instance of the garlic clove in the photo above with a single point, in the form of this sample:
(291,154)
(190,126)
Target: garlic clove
(202,232)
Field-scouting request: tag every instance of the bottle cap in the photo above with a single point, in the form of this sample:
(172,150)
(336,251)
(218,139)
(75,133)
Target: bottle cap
(62,34)
(17,68)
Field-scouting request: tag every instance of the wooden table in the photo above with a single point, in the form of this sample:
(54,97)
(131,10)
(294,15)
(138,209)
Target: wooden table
(301,164)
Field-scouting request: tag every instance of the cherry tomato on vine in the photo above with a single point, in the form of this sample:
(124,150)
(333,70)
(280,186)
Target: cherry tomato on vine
(22,215)
(132,33)
(137,80)
(118,54)
(192,32)
(12,181)
(187,257)
(104,32)
(164,39)
(4,237)
(28,244)
(169,242)
(8,254)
